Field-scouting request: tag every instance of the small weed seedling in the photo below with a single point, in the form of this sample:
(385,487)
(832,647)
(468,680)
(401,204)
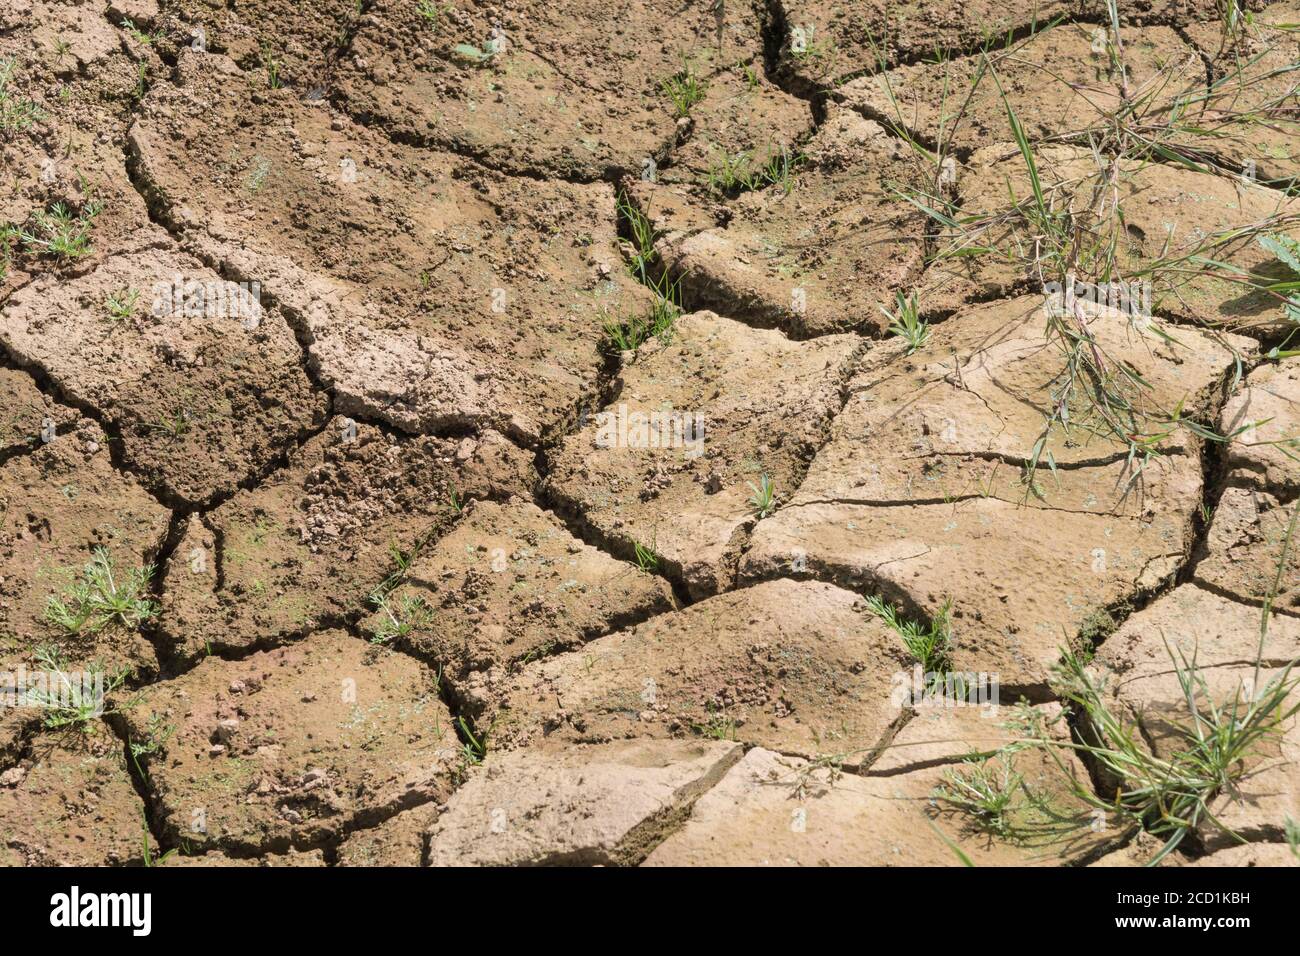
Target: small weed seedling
(667,307)
(763,499)
(1232,21)
(985,789)
(173,425)
(906,323)
(430,12)
(271,63)
(805,780)
(402,560)
(257,175)
(147,856)
(730,173)
(410,615)
(779,169)
(474,748)
(643,237)
(141,82)
(537,653)
(159,732)
(929,645)
(343,33)
(718,727)
(99,599)
(646,558)
(68,700)
(138,35)
(61,233)
(121,304)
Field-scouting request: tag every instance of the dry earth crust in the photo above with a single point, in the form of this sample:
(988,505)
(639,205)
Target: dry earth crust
(490,435)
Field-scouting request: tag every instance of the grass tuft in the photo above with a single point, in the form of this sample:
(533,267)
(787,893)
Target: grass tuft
(731,174)
(271,63)
(400,619)
(647,559)
(683,90)
(1170,794)
(634,331)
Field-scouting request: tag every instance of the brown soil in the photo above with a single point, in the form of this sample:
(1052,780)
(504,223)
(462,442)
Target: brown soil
(792,666)
(763,410)
(309,545)
(426,531)
(922,492)
(287,747)
(69,802)
(816,260)
(201,405)
(916,97)
(578,96)
(58,503)
(756,817)
(508,584)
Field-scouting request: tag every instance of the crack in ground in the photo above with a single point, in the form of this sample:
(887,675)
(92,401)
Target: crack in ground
(151,805)
(953,500)
(51,388)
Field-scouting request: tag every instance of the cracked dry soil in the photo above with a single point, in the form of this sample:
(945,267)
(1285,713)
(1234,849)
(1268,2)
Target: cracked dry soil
(314,331)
